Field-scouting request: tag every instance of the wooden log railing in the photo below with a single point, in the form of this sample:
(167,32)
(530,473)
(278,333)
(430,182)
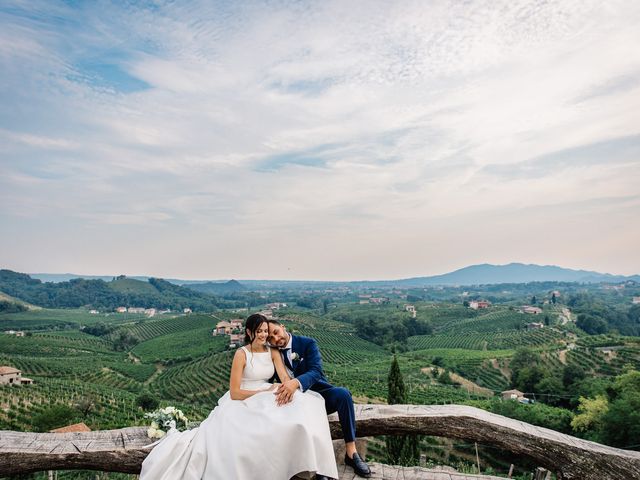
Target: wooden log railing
(122,450)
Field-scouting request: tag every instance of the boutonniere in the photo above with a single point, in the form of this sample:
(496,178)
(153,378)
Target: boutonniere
(295,357)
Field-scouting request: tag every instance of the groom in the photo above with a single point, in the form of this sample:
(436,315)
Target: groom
(302,358)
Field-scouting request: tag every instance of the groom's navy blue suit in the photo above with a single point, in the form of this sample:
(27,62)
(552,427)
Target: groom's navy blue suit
(306,366)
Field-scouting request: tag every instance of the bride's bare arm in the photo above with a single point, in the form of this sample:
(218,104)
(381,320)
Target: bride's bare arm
(279,364)
(237,367)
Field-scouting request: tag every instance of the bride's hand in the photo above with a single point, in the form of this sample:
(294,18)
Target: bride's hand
(272,387)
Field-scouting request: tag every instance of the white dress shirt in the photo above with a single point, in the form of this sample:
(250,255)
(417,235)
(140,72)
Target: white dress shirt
(289,355)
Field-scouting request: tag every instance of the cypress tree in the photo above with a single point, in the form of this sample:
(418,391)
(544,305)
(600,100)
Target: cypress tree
(401,449)
(397,393)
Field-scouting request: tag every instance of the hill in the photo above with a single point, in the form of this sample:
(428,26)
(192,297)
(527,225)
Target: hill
(122,291)
(218,288)
(514,273)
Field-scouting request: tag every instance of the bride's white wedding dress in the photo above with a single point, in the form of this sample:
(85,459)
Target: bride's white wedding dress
(249,439)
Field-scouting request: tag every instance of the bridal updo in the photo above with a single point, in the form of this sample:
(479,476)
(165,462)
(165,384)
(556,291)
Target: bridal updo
(251,326)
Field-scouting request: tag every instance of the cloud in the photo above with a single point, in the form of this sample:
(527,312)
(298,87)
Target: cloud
(335,123)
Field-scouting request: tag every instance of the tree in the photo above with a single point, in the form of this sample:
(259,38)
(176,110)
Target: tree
(11,307)
(147,402)
(591,324)
(551,388)
(526,379)
(534,300)
(553,298)
(54,417)
(445,379)
(592,411)
(622,421)
(401,449)
(85,405)
(572,373)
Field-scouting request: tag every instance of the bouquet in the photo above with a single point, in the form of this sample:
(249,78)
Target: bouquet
(165,420)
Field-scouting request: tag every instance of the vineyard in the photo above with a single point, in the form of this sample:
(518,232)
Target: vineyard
(488,341)
(177,360)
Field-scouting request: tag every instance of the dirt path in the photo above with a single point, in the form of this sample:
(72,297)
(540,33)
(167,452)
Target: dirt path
(159,369)
(562,356)
(505,371)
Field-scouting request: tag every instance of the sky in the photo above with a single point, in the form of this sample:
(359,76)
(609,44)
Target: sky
(324,140)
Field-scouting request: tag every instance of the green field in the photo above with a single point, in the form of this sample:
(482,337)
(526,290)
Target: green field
(178,361)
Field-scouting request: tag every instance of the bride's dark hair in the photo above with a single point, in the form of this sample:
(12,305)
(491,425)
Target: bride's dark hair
(252,323)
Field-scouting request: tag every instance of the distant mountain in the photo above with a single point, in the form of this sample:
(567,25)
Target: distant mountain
(472,275)
(515,273)
(218,288)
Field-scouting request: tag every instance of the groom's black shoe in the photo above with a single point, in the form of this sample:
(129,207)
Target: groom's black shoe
(358,465)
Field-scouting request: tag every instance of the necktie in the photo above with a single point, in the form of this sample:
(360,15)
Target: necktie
(285,354)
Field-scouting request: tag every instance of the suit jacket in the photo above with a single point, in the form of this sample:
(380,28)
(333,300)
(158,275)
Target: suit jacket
(307,367)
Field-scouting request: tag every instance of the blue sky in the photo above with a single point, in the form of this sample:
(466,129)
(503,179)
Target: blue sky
(318,140)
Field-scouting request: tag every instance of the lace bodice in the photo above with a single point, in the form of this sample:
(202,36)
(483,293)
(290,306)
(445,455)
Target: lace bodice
(258,370)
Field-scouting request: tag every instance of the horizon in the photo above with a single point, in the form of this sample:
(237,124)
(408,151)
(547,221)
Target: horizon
(211,279)
(319,140)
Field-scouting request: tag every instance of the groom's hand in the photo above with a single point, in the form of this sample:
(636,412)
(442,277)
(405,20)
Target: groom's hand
(285,392)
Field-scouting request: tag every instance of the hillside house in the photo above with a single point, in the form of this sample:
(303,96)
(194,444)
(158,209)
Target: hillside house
(531,310)
(512,395)
(378,300)
(94,312)
(17,333)
(478,304)
(135,310)
(121,309)
(227,328)
(187,310)
(236,339)
(150,312)
(534,326)
(411,309)
(13,376)
(635,300)
(267,313)
(276,306)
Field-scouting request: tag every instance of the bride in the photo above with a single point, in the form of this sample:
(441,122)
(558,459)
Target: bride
(248,435)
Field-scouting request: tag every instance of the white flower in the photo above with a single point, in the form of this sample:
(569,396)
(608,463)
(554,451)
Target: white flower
(155,433)
(164,420)
(295,356)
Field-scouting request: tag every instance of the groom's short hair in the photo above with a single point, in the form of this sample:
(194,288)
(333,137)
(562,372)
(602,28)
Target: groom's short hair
(275,322)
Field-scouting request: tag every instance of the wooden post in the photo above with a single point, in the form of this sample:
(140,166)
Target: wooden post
(510,471)
(541,473)
(477,458)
